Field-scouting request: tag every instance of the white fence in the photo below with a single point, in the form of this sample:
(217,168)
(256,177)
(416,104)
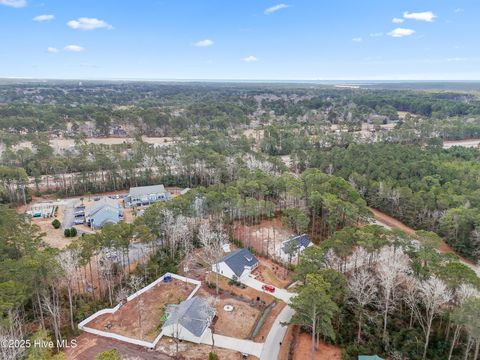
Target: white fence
(82,325)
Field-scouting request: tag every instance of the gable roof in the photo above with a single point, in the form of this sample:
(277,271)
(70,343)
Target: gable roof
(237,260)
(105,216)
(101,204)
(146,190)
(296,242)
(193,314)
(369,357)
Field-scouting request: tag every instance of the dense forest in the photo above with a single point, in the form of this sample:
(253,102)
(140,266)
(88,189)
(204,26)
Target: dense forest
(426,187)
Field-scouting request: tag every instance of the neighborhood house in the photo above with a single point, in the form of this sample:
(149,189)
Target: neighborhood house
(293,247)
(237,264)
(102,212)
(190,320)
(146,195)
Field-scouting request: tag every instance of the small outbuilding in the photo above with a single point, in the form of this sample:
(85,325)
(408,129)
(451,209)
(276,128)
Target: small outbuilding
(236,264)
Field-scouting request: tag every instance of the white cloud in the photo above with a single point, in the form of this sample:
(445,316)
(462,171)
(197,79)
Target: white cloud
(276,8)
(401,32)
(421,16)
(397,20)
(52,50)
(378,34)
(458,10)
(204,43)
(74,48)
(357,39)
(14,3)
(250,59)
(85,23)
(42,18)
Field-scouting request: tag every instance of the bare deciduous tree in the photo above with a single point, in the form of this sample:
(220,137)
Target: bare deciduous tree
(212,241)
(68,261)
(51,304)
(12,332)
(363,293)
(392,267)
(426,300)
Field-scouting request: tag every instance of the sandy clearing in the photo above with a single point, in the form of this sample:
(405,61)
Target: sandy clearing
(465,143)
(59,145)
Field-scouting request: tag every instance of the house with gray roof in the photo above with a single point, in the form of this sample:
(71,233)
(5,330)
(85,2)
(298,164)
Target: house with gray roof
(146,195)
(291,248)
(102,212)
(237,264)
(190,320)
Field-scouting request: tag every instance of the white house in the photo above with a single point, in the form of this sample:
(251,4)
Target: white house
(102,212)
(190,320)
(236,264)
(146,195)
(293,247)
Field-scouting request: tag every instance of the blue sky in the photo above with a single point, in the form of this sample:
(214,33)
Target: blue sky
(241,39)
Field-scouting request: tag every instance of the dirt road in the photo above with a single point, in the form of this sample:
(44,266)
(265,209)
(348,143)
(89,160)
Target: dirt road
(384,219)
(390,222)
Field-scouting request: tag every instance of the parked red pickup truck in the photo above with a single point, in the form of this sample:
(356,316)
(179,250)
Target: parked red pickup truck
(268,288)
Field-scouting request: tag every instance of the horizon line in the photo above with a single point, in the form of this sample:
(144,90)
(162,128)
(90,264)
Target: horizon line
(234,80)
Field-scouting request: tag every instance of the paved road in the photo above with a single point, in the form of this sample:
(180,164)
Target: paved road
(244,346)
(271,348)
(280,294)
(69,214)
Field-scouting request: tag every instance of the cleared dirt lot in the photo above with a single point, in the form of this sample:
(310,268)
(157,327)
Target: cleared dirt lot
(141,317)
(324,352)
(265,238)
(191,351)
(91,345)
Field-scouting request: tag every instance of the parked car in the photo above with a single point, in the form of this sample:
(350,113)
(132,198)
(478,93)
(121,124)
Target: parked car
(269,288)
(79,221)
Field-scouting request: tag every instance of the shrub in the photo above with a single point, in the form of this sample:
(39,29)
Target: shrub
(56,224)
(72,232)
(109,355)
(212,356)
